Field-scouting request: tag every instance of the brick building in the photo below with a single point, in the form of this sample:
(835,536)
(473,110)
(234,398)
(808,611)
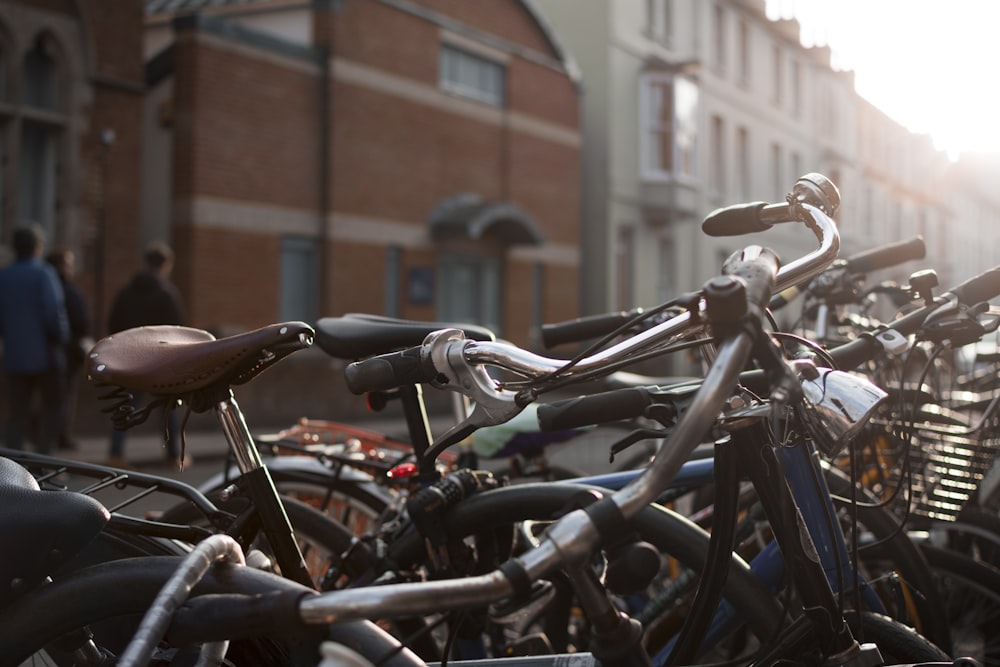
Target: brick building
(71,95)
(412,158)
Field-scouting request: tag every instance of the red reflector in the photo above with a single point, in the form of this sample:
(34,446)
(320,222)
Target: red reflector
(402,471)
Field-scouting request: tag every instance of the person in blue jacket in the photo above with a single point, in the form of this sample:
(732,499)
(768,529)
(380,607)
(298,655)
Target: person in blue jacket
(34,331)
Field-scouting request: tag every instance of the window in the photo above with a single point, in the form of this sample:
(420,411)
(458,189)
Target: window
(659,19)
(665,290)
(37,176)
(471,75)
(41,135)
(299,297)
(40,82)
(469,290)
(743,163)
(669,107)
(868,214)
(3,72)
(719,39)
(393,276)
(717,141)
(777,178)
(796,162)
(745,52)
(777,76)
(624,267)
(796,88)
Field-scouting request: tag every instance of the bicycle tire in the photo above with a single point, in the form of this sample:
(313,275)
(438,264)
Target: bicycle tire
(321,540)
(897,553)
(897,643)
(971,592)
(344,502)
(355,503)
(976,531)
(109,599)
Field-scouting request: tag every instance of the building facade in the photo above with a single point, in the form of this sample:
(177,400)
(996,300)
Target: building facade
(417,159)
(691,105)
(71,94)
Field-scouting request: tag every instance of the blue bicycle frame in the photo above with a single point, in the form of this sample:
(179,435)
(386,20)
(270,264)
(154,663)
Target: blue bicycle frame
(812,495)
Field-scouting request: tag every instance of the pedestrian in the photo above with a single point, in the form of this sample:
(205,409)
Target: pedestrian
(80,341)
(149,298)
(34,331)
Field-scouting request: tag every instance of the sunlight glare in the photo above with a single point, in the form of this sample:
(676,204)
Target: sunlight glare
(927,64)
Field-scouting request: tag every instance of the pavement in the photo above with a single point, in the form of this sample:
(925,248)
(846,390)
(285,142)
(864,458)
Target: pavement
(206,446)
(204,442)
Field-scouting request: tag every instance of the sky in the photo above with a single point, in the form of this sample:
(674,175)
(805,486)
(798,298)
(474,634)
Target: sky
(932,65)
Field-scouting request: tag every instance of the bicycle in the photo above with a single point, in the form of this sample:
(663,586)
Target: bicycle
(560,537)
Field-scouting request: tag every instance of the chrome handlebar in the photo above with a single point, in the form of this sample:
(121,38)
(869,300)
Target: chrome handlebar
(573,538)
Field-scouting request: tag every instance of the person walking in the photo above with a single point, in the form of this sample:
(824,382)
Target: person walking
(34,331)
(149,298)
(80,341)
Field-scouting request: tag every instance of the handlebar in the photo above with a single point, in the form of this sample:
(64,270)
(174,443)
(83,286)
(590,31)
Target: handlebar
(533,366)
(982,287)
(866,261)
(886,256)
(731,304)
(574,537)
(623,404)
(583,328)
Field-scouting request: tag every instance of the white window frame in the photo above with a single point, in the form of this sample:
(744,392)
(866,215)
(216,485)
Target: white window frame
(472,74)
(681,126)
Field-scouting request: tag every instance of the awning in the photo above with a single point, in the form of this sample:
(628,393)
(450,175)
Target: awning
(468,216)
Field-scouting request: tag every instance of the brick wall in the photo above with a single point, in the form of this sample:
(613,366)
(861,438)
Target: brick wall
(247,133)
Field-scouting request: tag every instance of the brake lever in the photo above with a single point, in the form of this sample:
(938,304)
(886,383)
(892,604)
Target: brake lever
(492,404)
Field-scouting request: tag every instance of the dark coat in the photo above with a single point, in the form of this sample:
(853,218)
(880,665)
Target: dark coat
(147,299)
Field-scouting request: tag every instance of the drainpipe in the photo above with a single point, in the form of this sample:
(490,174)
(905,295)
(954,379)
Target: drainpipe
(325,107)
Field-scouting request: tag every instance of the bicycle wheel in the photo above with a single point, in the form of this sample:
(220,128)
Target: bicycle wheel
(893,565)
(971,592)
(109,600)
(322,541)
(349,497)
(345,503)
(976,532)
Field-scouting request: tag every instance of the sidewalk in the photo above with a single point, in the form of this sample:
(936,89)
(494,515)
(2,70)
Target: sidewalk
(204,440)
(144,448)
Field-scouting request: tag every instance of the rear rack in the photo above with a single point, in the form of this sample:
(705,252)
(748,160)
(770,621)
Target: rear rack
(121,491)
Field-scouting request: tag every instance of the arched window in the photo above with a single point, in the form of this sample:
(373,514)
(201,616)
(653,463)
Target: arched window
(40,76)
(4,64)
(42,126)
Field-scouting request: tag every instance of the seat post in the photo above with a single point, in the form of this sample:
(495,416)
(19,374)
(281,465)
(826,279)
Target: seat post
(260,488)
(237,433)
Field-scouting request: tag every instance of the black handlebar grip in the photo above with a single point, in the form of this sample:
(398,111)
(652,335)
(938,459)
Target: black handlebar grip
(888,255)
(735,220)
(979,288)
(757,266)
(600,408)
(388,371)
(584,328)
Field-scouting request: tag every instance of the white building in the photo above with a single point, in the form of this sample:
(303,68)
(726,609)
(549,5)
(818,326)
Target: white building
(690,105)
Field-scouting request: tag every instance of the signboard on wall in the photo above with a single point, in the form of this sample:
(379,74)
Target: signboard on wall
(420,286)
